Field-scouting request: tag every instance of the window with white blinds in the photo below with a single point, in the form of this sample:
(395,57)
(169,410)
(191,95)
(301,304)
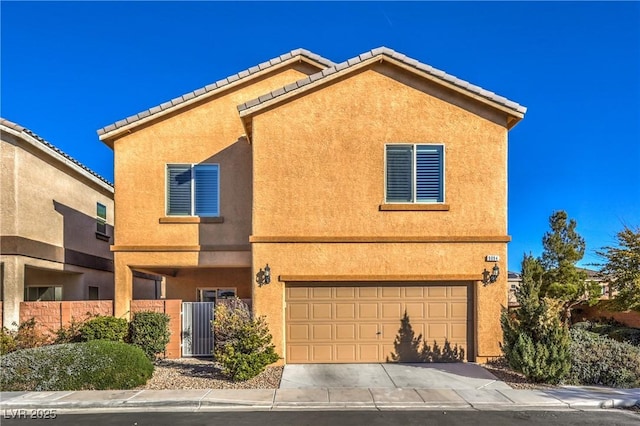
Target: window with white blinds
(193,190)
(414,173)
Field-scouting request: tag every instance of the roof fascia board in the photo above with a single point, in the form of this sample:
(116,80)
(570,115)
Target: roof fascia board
(38,146)
(379,58)
(112,134)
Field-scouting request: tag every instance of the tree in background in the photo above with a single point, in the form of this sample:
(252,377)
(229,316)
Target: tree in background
(622,269)
(535,342)
(561,279)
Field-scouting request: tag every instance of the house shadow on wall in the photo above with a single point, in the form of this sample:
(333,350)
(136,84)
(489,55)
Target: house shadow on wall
(409,348)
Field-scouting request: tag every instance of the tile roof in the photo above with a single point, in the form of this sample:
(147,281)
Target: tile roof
(392,54)
(215,86)
(49,146)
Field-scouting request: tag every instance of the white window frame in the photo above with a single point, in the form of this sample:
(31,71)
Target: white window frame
(193,189)
(413,176)
(99,220)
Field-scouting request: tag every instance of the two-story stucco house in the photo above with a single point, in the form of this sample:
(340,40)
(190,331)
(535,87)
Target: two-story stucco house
(55,227)
(366,189)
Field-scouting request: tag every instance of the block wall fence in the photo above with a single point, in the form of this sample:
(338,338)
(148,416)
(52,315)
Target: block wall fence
(50,316)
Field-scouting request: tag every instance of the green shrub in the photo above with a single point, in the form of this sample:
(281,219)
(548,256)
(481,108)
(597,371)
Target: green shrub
(535,341)
(7,341)
(599,360)
(68,333)
(104,328)
(26,336)
(150,332)
(94,365)
(242,343)
(626,334)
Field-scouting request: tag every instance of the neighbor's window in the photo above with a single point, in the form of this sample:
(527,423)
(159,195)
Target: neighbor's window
(43,294)
(414,173)
(210,294)
(101,219)
(94,293)
(193,190)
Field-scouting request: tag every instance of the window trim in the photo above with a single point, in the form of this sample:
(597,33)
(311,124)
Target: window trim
(413,175)
(192,194)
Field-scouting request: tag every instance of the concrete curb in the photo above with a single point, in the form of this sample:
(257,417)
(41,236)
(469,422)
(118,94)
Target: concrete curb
(324,399)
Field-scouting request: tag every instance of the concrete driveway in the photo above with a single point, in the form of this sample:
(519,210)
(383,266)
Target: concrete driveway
(423,376)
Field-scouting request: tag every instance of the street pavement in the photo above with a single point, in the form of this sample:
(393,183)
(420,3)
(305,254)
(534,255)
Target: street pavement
(464,386)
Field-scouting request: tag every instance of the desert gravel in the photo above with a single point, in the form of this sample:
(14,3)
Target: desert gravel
(203,373)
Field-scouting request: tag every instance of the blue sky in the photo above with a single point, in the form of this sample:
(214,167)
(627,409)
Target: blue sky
(71,68)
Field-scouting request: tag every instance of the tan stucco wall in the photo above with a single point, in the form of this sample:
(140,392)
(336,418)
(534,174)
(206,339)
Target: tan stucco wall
(51,204)
(322,174)
(208,133)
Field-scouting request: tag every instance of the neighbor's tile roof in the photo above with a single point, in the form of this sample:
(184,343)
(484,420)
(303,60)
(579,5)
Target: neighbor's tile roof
(215,86)
(18,128)
(392,54)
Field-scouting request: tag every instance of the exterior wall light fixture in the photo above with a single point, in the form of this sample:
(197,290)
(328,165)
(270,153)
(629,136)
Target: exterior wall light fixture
(263,277)
(490,277)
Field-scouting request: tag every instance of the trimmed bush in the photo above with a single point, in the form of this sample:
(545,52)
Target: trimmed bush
(242,343)
(626,334)
(599,360)
(95,365)
(104,328)
(150,332)
(536,343)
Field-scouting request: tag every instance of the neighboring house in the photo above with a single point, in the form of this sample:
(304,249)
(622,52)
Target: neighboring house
(56,225)
(515,279)
(335,197)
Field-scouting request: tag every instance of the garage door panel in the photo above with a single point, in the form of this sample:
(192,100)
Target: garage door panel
(298,311)
(437,311)
(345,311)
(436,332)
(359,322)
(322,353)
(459,291)
(415,310)
(391,292)
(345,331)
(298,332)
(368,310)
(437,292)
(298,353)
(321,332)
(345,292)
(458,332)
(367,292)
(346,353)
(321,311)
(321,292)
(458,310)
(391,310)
(369,353)
(368,331)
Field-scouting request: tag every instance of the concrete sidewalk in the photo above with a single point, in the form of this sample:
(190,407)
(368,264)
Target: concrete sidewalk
(323,399)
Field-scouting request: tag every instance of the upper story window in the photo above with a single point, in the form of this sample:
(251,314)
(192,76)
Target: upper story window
(193,190)
(101,219)
(414,173)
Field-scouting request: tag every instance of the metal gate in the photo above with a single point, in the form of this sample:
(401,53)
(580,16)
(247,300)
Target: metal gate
(197,336)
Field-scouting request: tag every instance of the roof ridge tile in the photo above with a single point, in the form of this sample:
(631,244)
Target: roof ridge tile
(15,126)
(218,84)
